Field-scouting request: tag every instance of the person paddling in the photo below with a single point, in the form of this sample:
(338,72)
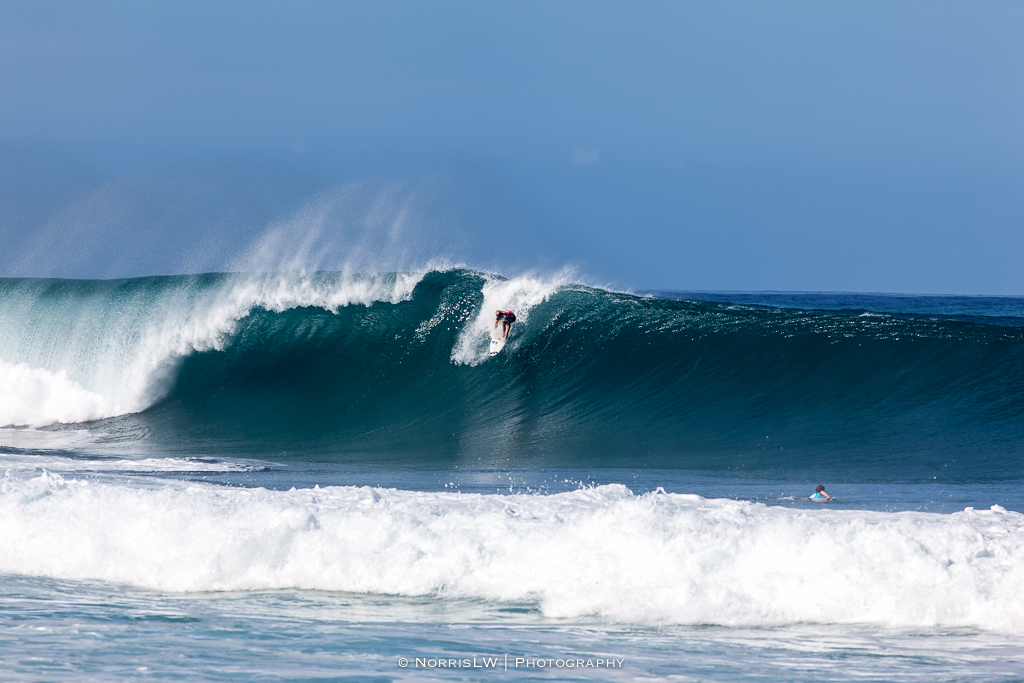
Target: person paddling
(819,494)
(506,318)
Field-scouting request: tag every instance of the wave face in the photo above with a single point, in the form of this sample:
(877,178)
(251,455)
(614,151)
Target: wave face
(656,558)
(394,367)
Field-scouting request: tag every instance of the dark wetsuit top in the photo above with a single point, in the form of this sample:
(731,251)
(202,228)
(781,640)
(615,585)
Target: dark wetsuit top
(507,316)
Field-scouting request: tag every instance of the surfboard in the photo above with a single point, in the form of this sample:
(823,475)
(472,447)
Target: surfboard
(496,345)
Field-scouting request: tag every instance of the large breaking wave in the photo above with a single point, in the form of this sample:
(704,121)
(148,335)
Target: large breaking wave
(337,366)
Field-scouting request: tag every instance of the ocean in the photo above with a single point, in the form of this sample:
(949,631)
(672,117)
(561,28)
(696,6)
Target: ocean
(319,476)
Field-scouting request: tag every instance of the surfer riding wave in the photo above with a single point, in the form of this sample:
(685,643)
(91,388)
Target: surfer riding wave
(506,318)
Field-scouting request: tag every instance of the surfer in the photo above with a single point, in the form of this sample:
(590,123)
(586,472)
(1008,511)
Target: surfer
(819,494)
(506,318)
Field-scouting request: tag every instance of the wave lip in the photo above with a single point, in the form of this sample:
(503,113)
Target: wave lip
(598,553)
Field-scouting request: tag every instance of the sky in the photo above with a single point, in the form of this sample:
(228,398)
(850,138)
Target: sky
(801,146)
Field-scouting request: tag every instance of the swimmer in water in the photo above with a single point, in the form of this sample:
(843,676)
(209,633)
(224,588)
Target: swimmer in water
(819,494)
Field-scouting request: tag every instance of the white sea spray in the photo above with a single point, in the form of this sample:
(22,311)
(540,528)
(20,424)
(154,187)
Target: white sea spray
(599,552)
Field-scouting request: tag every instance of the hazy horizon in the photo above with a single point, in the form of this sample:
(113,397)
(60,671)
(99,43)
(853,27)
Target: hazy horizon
(855,147)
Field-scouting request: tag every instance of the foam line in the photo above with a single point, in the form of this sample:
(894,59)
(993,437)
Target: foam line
(600,553)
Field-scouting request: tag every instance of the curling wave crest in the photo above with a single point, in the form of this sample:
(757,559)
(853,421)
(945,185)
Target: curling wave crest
(394,367)
(74,351)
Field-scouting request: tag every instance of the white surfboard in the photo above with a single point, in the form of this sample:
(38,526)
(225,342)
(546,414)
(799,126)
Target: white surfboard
(496,345)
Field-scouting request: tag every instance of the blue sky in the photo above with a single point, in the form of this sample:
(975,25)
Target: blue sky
(859,146)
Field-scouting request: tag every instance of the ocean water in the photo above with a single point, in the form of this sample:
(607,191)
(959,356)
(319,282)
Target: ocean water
(324,476)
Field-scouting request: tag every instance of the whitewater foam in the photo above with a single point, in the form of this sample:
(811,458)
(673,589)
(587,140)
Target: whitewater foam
(600,552)
(26,465)
(36,396)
